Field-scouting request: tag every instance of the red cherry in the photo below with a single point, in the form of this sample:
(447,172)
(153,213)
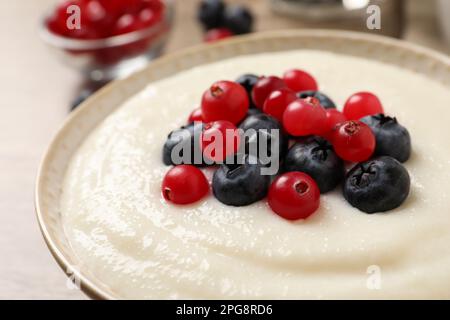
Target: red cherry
(294,195)
(299,80)
(362,104)
(264,87)
(334,117)
(225,100)
(217,34)
(196,115)
(184,184)
(278,101)
(219,140)
(353,141)
(303,118)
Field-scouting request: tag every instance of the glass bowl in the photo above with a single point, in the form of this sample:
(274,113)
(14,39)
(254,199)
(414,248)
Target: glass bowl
(112,57)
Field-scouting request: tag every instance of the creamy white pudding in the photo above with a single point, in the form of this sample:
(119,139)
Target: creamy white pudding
(138,245)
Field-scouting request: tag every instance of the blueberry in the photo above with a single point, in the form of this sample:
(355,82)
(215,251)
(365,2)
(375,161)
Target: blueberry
(392,138)
(260,121)
(248,81)
(253,112)
(211,13)
(324,100)
(316,157)
(262,124)
(240,184)
(187,135)
(238,19)
(378,185)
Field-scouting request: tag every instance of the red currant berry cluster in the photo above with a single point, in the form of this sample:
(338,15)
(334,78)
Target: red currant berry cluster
(105,18)
(322,139)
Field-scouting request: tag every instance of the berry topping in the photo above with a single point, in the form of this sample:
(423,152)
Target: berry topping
(186,137)
(303,118)
(392,138)
(294,195)
(184,184)
(217,34)
(334,117)
(219,140)
(196,115)
(362,104)
(238,19)
(324,100)
(278,101)
(248,81)
(260,121)
(299,80)
(264,87)
(316,157)
(225,100)
(210,13)
(377,185)
(353,141)
(240,184)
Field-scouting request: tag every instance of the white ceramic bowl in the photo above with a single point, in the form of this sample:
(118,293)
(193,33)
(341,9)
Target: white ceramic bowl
(79,124)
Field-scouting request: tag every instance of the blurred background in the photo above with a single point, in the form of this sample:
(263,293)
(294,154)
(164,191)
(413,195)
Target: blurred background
(45,73)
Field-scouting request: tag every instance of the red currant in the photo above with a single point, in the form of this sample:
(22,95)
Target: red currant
(196,115)
(303,118)
(225,100)
(264,87)
(299,80)
(277,102)
(334,117)
(353,141)
(362,104)
(217,34)
(219,140)
(294,195)
(127,23)
(184,184)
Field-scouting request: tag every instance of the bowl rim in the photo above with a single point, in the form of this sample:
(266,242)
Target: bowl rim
(66,43)
(88,285)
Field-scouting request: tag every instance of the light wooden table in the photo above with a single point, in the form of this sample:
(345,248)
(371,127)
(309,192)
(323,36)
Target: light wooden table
(34,97)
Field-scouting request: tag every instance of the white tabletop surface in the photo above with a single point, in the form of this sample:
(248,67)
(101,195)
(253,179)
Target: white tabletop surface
(34,97)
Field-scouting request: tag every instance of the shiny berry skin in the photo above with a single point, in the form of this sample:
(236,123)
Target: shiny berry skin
(378,185)
(184,184)
(324,100)
(248,81)
(302,118)
(238,19)
(210,13)
(225,100)
(299,80)
(126,23)
(353,141)
(219,140)
(392,138)
(294,195)
(264,87)
(362,104)
(315,156)
(217,34)
(196,115)
(278,101)
(185,137)
(334,117)
(240,184)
